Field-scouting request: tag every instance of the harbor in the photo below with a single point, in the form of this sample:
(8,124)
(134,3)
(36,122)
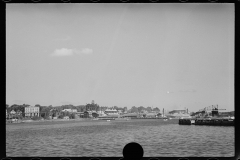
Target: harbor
(96,133)
(208,116)
(107,138)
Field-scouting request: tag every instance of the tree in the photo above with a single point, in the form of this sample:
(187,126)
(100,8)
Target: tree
(149,109)
(72,116)
(95,115)
(156,109)
(141,109)
(92,106)
(134,109)
(45,111)
(37,105)
(60,117)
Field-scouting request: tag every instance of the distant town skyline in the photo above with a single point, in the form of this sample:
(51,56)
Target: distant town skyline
(170,56)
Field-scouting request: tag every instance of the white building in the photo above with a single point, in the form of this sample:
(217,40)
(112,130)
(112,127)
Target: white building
(74,110)
(69,110)
(31,111)
(13,112)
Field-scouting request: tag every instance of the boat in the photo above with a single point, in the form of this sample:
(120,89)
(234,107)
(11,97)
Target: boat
(192,121)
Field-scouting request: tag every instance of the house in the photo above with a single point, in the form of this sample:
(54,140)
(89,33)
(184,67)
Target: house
(31,111)
(12,112)
(159,115)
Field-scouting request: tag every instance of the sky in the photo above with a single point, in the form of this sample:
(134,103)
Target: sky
(170,56)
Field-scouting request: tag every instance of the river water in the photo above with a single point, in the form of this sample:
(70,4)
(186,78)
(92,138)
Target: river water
(103,139)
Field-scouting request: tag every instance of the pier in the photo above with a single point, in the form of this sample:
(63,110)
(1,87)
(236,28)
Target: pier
(208,121)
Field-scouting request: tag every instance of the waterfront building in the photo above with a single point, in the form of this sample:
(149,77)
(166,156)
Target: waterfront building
(69,110)
(31,111)
(111,112)
(178,113)
(151,115)
(80,114)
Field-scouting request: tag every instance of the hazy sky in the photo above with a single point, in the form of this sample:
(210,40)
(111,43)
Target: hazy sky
(162,55)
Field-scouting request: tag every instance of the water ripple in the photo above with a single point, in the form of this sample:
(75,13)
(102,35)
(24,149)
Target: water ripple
(101,138)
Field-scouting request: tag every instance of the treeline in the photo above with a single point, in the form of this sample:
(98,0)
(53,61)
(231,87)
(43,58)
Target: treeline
(50,110)
(142,109)
(55,110)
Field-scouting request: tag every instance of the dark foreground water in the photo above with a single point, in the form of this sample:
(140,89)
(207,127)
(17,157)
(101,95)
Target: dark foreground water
(101,138)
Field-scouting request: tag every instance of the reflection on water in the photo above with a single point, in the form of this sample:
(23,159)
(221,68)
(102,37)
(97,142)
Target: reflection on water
(101,138)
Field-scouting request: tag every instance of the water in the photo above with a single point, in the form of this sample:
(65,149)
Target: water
(103,139)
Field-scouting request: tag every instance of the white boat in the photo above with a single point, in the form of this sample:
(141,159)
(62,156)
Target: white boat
(193,121)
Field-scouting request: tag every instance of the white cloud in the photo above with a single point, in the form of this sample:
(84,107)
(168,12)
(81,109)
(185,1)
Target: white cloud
(69,52)
(86,51)
(63,52)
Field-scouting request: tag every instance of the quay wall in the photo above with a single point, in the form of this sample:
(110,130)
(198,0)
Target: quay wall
(211,122)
